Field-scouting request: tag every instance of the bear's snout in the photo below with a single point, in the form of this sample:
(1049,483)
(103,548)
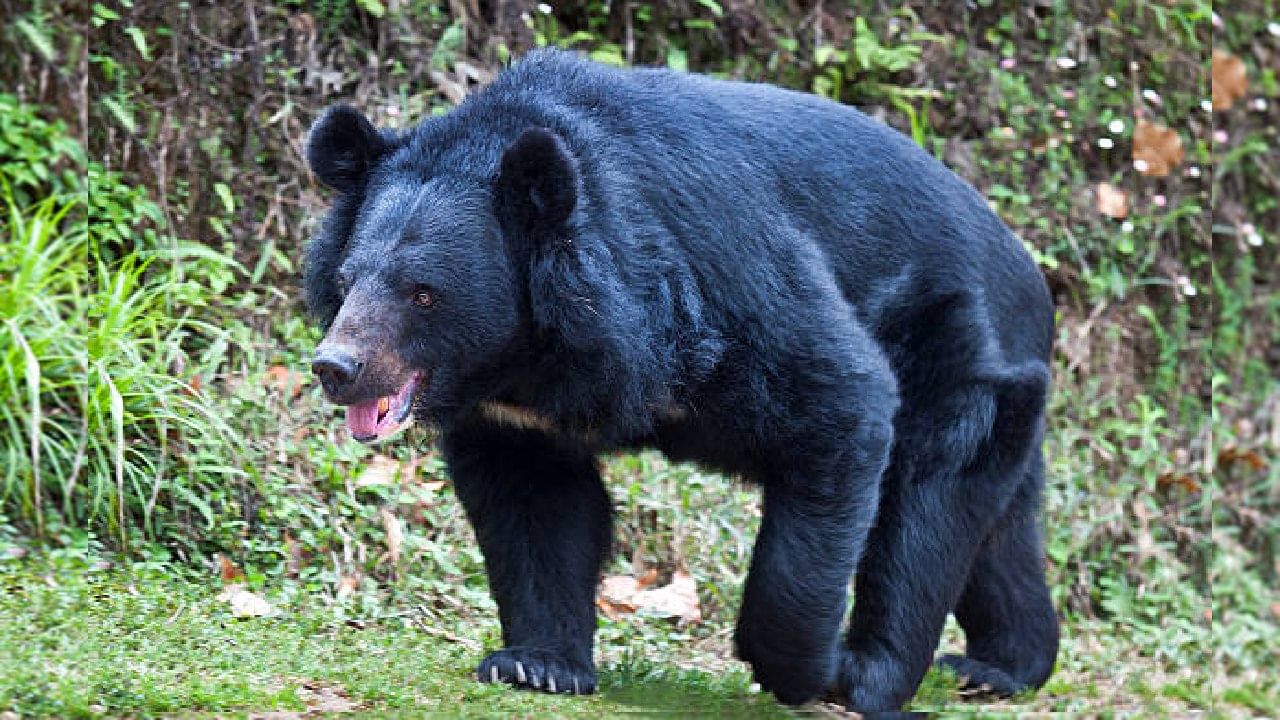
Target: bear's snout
(337,367)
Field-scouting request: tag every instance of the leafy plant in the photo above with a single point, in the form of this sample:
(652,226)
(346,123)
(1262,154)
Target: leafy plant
(865,66)
(36,156)
(41,271)
(98,428)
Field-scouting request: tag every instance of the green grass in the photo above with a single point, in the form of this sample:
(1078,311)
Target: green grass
(89,643)
(81,639)
(41,270)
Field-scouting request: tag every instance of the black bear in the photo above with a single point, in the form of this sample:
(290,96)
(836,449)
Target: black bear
(579,259)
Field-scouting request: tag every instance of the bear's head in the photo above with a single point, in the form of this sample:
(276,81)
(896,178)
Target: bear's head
(414,274)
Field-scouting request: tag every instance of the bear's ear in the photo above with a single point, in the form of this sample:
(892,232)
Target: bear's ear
(538,181)
(342,146)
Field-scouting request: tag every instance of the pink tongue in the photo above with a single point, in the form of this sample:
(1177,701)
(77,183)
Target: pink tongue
(362,418)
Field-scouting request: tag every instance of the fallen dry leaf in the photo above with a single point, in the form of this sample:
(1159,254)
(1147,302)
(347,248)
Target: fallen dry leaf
(614,597)
(1178,480)
(244,603)
(650,577)
(228,571)
(347,585)
(1230,80)
(285,380)
(1156,149)
(622,594)
(1112,201)
(395,535)
(679,599)
(1231,455)
(381,470)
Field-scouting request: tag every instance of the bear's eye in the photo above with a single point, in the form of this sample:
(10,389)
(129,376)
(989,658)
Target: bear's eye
(344,284)
(423,297)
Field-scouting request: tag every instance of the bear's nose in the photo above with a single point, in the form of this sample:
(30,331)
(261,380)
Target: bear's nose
(336,367)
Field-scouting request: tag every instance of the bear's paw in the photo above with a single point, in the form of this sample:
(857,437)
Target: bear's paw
(538,669)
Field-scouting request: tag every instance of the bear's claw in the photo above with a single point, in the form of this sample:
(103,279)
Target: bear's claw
(537,669)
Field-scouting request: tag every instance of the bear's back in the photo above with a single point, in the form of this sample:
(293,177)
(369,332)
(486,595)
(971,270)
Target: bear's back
(736,172)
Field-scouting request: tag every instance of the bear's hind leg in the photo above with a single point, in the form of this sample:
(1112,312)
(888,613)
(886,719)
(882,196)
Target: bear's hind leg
(812,531)
(542,517)
(795,596)
(1011,628)
(909,579)
(938,505)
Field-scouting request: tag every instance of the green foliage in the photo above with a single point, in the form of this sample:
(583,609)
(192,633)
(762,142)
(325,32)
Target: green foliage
(101,431)
(41,274)
(36,156)
(863,69)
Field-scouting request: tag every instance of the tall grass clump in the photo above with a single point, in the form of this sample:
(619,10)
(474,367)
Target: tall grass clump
(103,432)
(42,273)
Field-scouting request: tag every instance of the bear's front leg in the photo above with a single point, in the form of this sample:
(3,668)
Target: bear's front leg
(542,516)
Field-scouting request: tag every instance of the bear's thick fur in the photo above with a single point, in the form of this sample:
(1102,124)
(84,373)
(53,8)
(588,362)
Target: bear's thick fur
(580,258)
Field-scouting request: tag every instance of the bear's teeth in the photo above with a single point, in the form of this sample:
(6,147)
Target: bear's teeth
(383,405)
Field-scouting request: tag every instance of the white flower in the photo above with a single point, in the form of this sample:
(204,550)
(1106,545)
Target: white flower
(1066,63)
(1141,165)
(1127,226)
(544,8)
(1251,234)
(1109,81)
(1106,143)
(1260,104)
(1206,106)
(1116,126)
(1274,28)
(1152,96)
(1193,171)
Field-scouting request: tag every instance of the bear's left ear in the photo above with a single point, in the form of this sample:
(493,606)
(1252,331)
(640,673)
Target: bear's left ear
(342,147)
(538,182)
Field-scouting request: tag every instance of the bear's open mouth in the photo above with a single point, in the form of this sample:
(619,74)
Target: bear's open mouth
(380,418)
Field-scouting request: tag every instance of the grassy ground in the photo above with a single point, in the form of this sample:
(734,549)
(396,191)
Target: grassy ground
(77,644)
(79,638)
